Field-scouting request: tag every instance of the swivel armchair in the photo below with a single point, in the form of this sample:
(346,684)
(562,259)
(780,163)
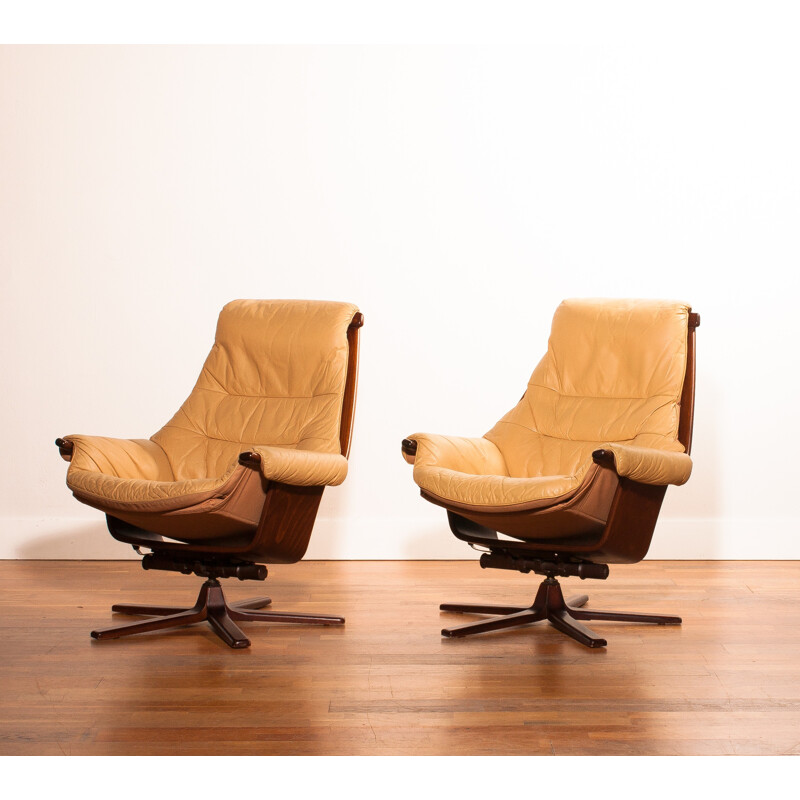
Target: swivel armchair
(572,479)
(235,478)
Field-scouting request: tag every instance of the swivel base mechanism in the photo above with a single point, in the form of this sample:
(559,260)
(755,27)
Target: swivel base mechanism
(212,607)
(549,604)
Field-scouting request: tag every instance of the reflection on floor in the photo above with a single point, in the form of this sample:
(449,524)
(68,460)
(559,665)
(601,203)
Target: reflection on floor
(726,681)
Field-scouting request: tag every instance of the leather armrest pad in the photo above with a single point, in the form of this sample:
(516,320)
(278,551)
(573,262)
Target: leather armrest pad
(647,464)
(475,456)
(120,458)
(301,467)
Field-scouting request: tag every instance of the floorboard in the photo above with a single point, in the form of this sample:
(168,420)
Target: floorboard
(725,682)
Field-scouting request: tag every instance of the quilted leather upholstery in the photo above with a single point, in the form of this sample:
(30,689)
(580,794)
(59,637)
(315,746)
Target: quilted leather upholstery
(611,378)
(273,383)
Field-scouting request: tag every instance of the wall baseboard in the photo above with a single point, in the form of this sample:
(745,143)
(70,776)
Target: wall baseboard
(389,538)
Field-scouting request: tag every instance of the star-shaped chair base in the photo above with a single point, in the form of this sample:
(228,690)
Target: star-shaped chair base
(212,607)
(549,604)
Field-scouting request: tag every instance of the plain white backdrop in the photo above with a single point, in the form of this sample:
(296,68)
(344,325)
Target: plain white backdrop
(457,194)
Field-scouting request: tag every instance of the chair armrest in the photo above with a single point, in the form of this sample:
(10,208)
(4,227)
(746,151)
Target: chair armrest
(297,467)
(120,458)
(645,464)
(475,456)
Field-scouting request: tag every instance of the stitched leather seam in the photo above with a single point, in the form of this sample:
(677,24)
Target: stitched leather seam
(237,441)
(268,396)
(557,438)
(599,396)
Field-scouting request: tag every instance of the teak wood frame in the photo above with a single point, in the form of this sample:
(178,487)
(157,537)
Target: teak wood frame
(281,537)
(623,538)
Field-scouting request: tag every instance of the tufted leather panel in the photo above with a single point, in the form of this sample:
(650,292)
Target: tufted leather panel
(275,376)
(273,383)
(611,378)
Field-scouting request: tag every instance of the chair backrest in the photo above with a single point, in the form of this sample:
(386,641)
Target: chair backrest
(276,375)
(614,372)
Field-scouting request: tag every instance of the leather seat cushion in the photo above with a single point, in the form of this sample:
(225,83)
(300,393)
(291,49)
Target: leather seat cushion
(494,490)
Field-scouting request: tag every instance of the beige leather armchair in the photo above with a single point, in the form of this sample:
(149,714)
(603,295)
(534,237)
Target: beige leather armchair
(574,475)
(235,478)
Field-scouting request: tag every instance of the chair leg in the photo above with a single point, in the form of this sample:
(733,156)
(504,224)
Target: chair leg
(159,623)
(616,616)
(524,617)
(227,629)
(146,611)
(566,623)
(219,618)
(549,604)
(276,616)
(479,608)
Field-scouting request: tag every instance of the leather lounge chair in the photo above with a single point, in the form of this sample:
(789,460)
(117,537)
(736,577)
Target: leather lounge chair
(234,479)
(573,477)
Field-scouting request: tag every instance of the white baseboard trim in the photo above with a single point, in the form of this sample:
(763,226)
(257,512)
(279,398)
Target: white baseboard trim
(390,538)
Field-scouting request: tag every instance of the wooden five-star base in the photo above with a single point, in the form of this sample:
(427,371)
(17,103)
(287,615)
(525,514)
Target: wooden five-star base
(212,607)
(549,604)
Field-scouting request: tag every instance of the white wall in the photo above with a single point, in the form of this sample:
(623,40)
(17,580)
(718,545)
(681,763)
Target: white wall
(456,194)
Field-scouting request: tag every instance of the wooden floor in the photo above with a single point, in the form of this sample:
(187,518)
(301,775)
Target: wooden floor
(727,681)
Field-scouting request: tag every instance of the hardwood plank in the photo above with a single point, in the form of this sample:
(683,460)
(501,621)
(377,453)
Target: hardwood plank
(725,682)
